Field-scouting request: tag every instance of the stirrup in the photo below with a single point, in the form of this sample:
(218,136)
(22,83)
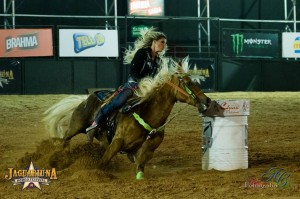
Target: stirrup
(93,126)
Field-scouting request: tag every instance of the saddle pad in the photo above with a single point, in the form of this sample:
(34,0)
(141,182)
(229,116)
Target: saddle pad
(103,94)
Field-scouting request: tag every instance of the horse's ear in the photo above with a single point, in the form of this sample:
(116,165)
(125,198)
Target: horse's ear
(179,68)
(185,64)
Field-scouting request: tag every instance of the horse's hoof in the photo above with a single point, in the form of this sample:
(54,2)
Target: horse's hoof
(140,175)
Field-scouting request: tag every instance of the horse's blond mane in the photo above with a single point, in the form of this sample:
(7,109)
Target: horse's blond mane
(148,84)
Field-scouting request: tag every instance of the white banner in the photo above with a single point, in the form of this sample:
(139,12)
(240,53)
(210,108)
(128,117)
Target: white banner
(88,43)
(290,44)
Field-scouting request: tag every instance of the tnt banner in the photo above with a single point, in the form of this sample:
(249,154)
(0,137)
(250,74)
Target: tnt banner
(10,77)
(202,71)
(242,44)
(26,43)
(88,43)
(291,44)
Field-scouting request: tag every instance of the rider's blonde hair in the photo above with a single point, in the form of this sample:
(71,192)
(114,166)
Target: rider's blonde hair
(144,41)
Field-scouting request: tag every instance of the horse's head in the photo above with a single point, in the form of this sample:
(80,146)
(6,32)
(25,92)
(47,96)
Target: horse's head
(189,92)
(174,74)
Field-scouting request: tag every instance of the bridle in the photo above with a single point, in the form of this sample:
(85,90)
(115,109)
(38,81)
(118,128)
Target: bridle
(186,91)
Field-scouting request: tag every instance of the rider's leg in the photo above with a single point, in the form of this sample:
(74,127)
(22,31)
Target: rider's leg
(116,103)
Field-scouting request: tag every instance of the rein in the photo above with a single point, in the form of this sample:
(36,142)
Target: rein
(187,92)
(177,88)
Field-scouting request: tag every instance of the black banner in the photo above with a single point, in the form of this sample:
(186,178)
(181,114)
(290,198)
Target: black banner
(243,44)
(203,72)
(10,77)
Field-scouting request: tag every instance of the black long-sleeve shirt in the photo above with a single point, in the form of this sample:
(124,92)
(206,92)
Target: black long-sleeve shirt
(142,64)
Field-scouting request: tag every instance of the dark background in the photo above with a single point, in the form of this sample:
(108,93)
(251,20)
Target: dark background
(76,75)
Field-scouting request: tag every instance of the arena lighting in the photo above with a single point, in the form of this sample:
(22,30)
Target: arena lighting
(146,7)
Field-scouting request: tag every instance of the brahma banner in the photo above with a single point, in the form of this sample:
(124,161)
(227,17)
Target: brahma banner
(26,42)
(88,43)
(290,44)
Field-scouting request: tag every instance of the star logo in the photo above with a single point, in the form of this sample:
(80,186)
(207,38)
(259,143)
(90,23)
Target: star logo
(31,177)
(32,181)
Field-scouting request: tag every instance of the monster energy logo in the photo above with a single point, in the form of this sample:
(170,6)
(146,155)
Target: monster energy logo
(238,43)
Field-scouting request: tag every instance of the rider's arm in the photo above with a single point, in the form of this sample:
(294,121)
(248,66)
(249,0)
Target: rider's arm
(138,64)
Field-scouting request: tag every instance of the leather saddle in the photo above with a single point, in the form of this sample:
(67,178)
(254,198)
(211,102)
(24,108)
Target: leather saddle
(105,96)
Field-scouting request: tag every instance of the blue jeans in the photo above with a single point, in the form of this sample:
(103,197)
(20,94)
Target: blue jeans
(117,102)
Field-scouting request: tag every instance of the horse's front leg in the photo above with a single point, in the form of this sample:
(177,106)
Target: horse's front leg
(145,153)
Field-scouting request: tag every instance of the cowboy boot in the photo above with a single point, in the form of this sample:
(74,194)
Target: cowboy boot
(93,126)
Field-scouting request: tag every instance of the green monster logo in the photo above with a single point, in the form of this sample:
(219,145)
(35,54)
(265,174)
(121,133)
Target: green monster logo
(238,43)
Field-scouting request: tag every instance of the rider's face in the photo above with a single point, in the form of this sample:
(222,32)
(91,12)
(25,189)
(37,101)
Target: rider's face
(159,45)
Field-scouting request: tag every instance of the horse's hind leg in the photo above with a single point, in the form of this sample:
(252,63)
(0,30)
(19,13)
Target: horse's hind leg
(112,150)
(82,117)
(145,153)
(75,127)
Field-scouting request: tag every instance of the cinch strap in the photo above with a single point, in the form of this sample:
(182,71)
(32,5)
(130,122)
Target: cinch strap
(142,122)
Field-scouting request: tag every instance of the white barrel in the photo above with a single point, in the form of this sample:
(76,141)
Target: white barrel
(225,138)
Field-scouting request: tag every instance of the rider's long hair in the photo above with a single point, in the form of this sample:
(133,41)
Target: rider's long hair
(144,41)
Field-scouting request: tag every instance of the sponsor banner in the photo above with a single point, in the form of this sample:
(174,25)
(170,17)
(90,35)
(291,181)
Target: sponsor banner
(291,44)
(26,43)
(10,77)
(242,44)
(146,7)
(233,107)
(203,72)
(88,43)
(136,30)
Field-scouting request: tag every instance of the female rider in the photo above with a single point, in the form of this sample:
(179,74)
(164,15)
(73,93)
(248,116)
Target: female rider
(145,61)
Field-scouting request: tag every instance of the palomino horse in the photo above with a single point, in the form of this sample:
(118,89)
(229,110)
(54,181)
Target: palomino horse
(157,98)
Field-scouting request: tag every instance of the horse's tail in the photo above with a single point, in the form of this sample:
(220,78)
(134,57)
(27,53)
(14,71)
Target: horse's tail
(58,116)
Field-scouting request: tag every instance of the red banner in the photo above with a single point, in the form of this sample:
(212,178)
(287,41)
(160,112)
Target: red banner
(26,42)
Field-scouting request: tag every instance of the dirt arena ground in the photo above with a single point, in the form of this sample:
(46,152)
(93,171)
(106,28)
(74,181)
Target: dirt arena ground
(176,168)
